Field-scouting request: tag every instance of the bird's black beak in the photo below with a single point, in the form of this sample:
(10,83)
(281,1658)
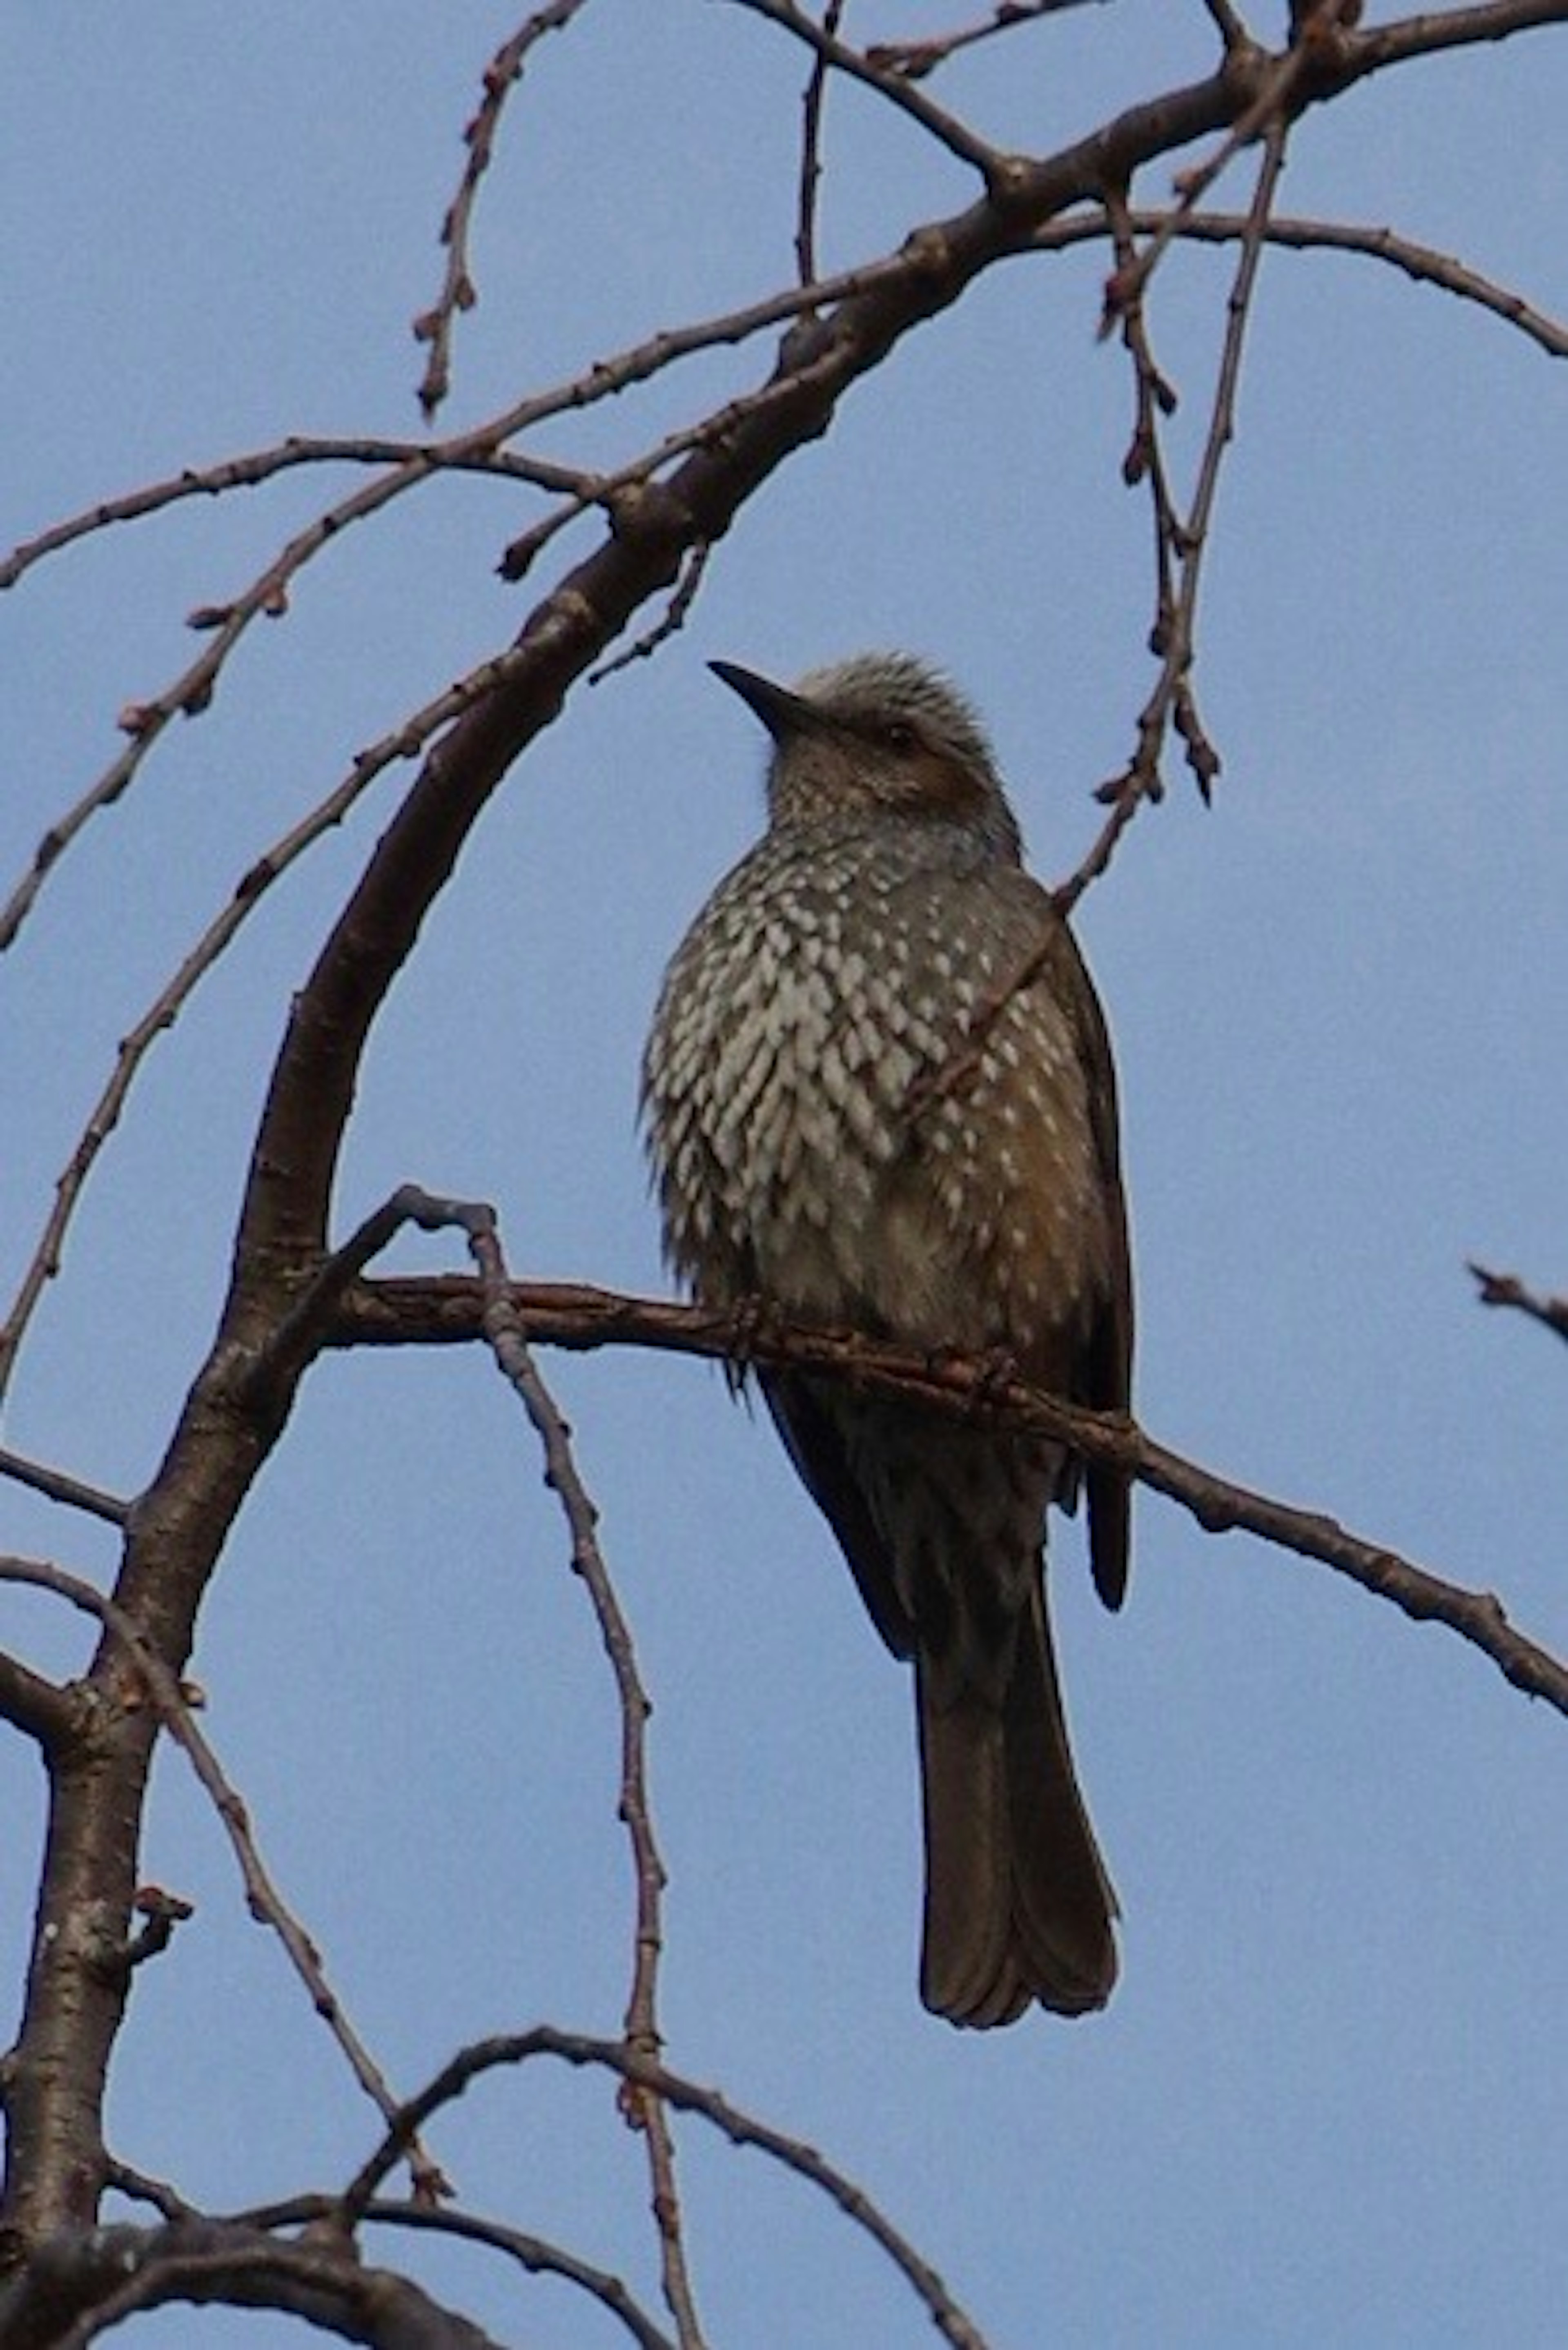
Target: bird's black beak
(782,712)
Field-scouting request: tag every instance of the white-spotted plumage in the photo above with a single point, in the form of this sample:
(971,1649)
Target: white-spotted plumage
(878,1093)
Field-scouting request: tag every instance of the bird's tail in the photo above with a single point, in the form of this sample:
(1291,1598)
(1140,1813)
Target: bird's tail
(1018,1903)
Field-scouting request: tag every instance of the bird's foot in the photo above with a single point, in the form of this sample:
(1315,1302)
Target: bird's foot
(751,1318)
(994,1371)
(990,1373)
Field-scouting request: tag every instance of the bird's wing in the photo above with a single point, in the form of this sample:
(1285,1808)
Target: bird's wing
(814,1442)
(1105,1381)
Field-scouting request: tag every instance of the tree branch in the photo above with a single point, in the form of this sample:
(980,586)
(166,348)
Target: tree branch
(741,2129)
(1506,1289)
(438,1312)
(79,2285)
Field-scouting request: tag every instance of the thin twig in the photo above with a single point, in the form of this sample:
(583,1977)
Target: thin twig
(56,1485)
(1154,399)
(1194,541)
(645,2111)
(1314,33)
(1181,540)
(670,621)
(405,741)
(811,150)
(458,291)
(1420,262)
(469,452)
(140,2186)
(948,130)
(916,59)
(189,695)
(740,2127)
(1432,30)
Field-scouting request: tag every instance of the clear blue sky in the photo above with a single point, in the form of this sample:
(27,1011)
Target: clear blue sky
(1326,2103)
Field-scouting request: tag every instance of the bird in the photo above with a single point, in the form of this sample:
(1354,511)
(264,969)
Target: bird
(879,1096)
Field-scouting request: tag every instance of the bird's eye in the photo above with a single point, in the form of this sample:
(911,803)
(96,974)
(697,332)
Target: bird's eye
(900,735)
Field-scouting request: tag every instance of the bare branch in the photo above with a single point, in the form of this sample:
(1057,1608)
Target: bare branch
(1180,540)
(404,742)
(28,1700)
(811,151)
(1420,262)
(1194,538)
(957,137)
(444,1312)
(669,623)
(1433,30)
(533,2254)
(740,2127)
(916,59)
(1315,62)
(1228,24)
(190,693)
(458,291)
(138,2187)
(467,454)
(56,1485)
(172,1705)
(504,1330)
(110,2273)
(1506,1289)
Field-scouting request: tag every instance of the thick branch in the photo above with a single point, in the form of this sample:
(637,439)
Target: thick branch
(79,2285)
(30,1702)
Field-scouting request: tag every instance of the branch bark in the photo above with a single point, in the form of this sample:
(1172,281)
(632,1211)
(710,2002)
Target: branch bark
(446,1311)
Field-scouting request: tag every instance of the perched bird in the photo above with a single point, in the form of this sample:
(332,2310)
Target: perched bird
(878,1095)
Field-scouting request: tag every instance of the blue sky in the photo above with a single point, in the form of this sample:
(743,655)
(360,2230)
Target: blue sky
(1325,2103)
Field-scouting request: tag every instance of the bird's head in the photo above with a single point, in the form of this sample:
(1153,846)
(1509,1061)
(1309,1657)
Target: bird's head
(880,733)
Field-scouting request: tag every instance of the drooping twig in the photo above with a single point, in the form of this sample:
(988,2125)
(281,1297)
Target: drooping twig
(740,2127)
(1154,400)
(469,452)
(810,184)
(1422,264)
(669,623)
(434,327)
(504,1331)
(1318,33)
(1181,540)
